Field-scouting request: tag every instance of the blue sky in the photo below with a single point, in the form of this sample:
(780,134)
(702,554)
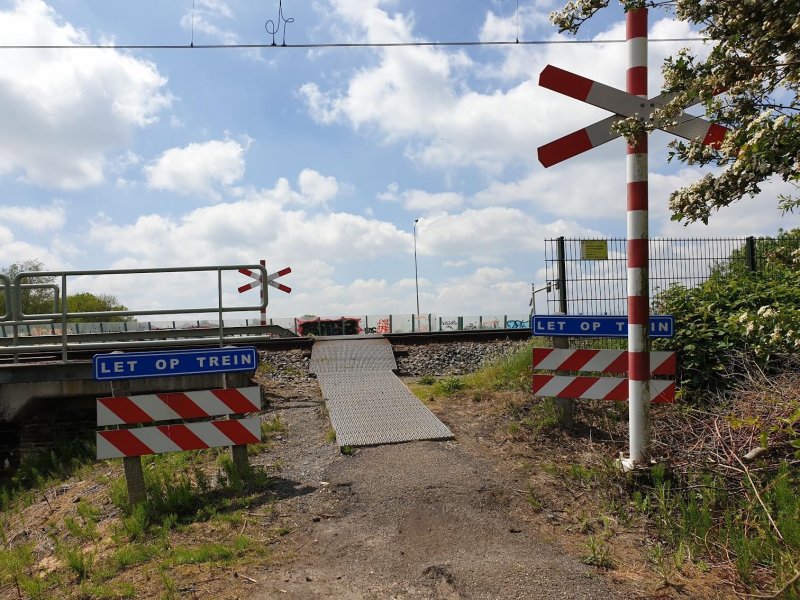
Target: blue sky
(318,159)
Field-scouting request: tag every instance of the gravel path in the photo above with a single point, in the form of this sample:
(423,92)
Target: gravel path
(415,520)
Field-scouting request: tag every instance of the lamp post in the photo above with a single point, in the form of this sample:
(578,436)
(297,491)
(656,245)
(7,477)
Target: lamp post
(416,273)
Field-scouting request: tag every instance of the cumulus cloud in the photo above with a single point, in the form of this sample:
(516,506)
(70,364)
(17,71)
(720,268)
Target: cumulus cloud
(62,112)
(198,169)
(427,98)
(317,188)
(490,232)
(44,219)
(13,250)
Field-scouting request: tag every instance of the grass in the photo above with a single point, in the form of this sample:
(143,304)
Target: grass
(700,513)
(40,469)
(510,372)
(598,553)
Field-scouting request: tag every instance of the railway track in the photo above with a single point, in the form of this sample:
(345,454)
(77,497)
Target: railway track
(86,347)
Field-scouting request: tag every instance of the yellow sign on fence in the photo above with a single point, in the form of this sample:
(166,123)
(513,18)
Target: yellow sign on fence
(594,250)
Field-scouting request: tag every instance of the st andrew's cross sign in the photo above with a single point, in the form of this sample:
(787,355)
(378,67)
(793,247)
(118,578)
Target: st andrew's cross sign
(633,102)
(624,105)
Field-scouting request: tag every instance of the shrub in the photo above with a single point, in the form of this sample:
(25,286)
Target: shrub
(732,312)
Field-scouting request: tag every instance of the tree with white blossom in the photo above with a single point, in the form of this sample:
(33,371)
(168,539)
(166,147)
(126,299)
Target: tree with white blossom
(755,63)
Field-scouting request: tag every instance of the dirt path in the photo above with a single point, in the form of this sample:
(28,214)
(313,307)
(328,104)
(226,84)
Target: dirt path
(416,520)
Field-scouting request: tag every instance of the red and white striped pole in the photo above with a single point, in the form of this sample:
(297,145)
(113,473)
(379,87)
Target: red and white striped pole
(638,252)
(263,291)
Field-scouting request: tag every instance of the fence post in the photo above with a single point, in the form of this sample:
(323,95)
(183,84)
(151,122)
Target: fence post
(751,254)
(565,408)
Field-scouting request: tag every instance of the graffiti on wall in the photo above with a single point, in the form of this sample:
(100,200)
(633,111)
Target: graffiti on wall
(383,326)
(343,326)
(518,324)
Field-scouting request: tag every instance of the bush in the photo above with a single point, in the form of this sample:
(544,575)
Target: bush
(735,311)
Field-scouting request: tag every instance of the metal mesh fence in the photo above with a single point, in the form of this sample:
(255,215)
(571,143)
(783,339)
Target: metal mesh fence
(599,286)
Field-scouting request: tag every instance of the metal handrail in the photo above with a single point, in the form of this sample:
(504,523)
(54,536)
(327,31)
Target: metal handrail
(5,282)
(14,294)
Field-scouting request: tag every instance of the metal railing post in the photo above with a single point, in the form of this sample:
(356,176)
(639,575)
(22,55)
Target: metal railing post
(751,254)
(565,408)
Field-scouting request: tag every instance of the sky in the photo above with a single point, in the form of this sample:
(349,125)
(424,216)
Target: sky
(318,159)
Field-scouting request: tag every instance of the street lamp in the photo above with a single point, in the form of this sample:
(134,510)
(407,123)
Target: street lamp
(416,274)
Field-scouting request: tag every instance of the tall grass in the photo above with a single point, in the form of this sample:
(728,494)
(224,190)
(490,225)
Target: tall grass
(509,372)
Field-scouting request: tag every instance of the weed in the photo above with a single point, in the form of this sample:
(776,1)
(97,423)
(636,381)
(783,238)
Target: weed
(449,386)
(426,380)
(213,552)
(14,563)
(599,553)
(135,524)
(116,591)
(88,530)
(582,474)
(347,450)
(276,425)
(133,554)
(661,564)
(330,435)
(533,500)
(77,560)
(37,469)
(170,587)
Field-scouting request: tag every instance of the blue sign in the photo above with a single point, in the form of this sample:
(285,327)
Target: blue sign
(135,365)
(661,326)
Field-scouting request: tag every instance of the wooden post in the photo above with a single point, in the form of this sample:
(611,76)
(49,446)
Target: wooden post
(132,465)
(238,453)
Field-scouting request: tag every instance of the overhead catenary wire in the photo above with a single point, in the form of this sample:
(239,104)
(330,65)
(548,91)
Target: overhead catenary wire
(462,43)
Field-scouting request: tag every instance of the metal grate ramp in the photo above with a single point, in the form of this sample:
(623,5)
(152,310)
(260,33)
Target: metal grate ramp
(367,403)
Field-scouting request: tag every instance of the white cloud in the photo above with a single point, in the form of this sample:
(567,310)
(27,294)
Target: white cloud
(259,223)
(13,250)
(61,111)
(201,20)
(317,188)
(425,97)
(487,233)
(200,168)
(427,202)
(470,294)
(45,219)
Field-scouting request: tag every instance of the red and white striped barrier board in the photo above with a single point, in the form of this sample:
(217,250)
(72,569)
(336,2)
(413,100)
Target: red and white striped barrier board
(597,388)
(624,105)
(600,361)
(116,443)
(148,408)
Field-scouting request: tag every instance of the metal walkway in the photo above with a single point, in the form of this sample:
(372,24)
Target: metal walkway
(367,403)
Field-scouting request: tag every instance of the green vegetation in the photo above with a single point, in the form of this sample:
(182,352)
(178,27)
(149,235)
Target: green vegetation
(736,312)
(38,470)
(509,372)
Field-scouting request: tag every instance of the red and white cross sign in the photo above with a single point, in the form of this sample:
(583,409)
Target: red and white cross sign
(270,280)
(623,105)
(260,284)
